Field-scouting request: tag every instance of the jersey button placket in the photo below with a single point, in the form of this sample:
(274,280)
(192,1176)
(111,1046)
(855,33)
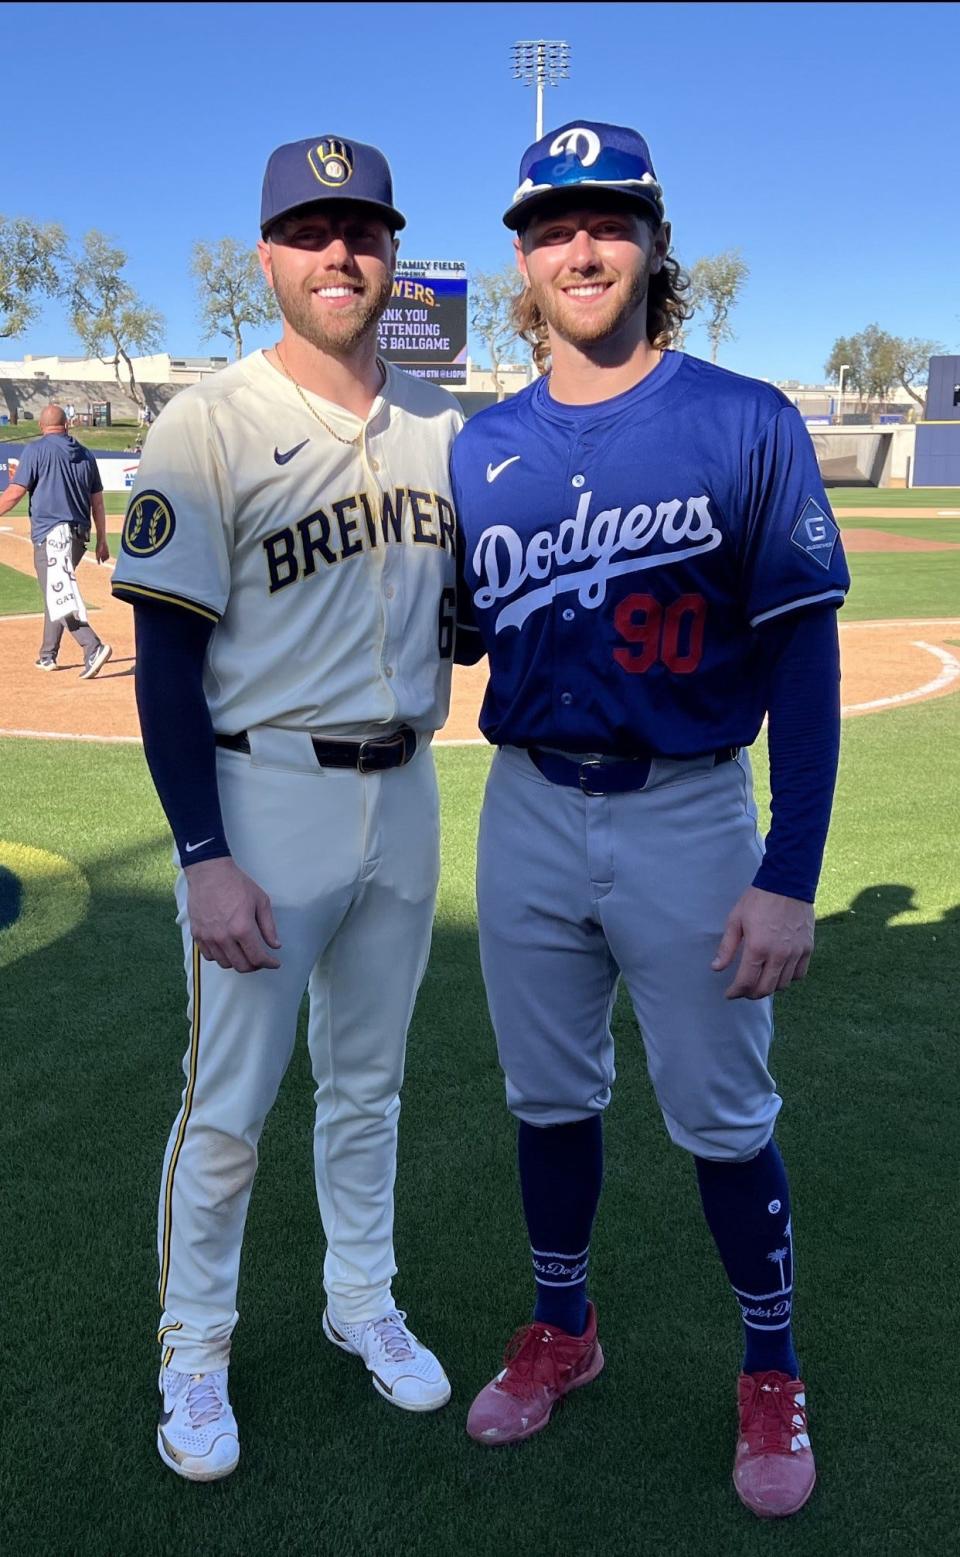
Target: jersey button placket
(566,644)
(380,556)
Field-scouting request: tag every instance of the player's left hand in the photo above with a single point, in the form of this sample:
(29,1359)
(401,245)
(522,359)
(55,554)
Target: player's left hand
(775,937)
(103,551)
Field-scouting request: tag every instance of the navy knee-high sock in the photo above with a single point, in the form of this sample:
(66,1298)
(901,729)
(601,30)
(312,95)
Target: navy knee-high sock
(561,1174)
(747,1206)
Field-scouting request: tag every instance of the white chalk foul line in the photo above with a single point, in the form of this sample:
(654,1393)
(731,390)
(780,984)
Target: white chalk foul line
(134,740)
(900,621)
(949,674)
(64,735)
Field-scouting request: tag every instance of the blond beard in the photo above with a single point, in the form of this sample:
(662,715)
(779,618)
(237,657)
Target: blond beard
(562,321)
(338,336)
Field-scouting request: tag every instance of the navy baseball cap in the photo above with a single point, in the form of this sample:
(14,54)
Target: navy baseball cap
(584,156)
(327,167)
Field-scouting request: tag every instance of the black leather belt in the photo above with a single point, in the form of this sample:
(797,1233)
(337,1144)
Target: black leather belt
(607,775)
(373,756)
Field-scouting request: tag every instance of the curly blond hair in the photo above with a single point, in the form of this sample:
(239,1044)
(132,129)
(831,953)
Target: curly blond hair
(667,312)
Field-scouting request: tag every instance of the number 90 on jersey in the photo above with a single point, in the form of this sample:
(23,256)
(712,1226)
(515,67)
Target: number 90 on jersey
(671,635)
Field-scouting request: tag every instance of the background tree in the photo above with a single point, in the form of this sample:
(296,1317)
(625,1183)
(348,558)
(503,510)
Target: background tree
(30,257)
(491,299)
(231,290)
(913,361)
(849,351)
(111,321)
(880,356)
(878,360)
(716,282)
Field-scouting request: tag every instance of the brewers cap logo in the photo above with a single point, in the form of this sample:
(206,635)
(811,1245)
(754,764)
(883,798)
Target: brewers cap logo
(331,162)
(149,525)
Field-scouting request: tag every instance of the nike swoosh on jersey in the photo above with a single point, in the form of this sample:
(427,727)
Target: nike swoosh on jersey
(493,471)
(284,459)
(193,847)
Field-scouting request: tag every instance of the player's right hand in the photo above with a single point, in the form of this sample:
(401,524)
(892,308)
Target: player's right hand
(231,919)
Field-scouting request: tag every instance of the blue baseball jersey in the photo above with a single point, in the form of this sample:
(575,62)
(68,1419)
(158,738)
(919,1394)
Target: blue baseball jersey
(618,558)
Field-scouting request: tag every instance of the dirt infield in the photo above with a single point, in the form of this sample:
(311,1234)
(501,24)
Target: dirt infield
(885,664)
(881,540)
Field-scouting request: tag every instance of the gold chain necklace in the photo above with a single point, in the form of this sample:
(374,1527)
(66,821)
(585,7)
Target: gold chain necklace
(313,410)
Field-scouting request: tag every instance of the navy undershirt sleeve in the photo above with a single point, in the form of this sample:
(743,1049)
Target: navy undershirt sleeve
(178,738)
(469,647)
(803,654)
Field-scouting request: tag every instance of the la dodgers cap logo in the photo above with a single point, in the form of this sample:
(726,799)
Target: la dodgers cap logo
(587,156)
(327,167)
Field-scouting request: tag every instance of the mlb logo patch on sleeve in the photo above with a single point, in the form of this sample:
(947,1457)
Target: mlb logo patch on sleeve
(815,533)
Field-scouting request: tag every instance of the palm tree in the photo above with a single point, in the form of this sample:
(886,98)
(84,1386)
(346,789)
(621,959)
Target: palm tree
(777,1257)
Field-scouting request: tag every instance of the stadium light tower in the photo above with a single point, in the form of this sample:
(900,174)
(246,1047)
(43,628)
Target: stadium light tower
(540,62)
(844,368)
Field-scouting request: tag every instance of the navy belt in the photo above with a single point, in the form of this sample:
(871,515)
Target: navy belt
(607,775)
(373,756)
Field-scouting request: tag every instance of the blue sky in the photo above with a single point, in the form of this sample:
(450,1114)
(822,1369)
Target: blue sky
(819,139)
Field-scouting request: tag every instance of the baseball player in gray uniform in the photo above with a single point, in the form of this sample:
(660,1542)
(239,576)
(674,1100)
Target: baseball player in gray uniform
(289,552)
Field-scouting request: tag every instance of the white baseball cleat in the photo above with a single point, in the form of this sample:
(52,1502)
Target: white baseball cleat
(404,1371)
(197,1435)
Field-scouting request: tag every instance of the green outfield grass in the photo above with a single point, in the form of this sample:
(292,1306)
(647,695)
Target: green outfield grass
(894,497)
(887,585)
(113,502)
(19,593)
(94,1026)
(115,437)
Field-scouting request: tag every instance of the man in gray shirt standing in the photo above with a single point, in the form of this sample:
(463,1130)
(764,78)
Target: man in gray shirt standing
(64,484)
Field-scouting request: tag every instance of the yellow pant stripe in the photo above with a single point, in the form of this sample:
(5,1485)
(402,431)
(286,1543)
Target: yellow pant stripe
(178,1143)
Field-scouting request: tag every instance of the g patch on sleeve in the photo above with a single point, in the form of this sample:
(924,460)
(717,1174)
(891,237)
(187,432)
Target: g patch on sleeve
(149,525)
(815,533)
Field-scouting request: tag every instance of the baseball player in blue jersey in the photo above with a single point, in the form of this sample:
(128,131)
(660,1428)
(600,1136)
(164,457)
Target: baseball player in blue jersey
(653,567)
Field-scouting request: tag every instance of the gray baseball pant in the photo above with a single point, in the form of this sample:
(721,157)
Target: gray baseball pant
(83,634)
(574,891)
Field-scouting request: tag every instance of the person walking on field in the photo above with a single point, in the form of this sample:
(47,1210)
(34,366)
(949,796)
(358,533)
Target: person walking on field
(653,567)
(65,489)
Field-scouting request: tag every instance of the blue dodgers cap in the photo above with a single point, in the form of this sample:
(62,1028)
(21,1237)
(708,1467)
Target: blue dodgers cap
(588,157)
(327,167)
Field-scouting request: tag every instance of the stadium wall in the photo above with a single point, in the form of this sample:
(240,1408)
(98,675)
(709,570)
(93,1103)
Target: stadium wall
(938,435)
(117,471)
(865,456)
(24,398)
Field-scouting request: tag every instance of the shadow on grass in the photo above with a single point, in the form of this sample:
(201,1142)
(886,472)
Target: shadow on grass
(94,1031)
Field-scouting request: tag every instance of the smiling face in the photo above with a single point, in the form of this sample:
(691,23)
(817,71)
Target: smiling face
(588,267)
(331,269)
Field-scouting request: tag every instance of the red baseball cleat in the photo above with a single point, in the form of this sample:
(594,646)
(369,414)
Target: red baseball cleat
(542,1365)
(773,1471)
